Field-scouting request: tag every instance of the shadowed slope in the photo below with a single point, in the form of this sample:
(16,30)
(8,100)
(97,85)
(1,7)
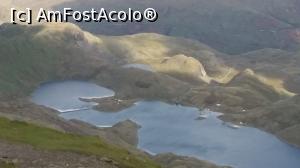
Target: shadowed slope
(231,26)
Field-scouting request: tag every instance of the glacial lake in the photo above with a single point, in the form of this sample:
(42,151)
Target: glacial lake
(176,129)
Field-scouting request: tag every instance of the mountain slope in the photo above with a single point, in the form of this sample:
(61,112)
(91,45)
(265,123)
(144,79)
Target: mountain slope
(231,26)
(31,55)
(280,66)
(48,139)
(27,59)
(184,71)
(281,118)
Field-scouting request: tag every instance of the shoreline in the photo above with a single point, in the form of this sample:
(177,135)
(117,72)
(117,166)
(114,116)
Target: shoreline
(111,104)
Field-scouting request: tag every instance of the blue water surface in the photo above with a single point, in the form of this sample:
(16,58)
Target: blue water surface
(177,129)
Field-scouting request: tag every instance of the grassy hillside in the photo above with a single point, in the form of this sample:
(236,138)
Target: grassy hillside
(29,55)
(171,55)
(24,59)
(48,139)
(35,54)
(184,70)
(6,165)
(231,26)
(281,67)
(281,118)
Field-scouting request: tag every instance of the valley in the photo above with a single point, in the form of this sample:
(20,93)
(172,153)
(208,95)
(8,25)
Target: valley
(238,58)
(196,133)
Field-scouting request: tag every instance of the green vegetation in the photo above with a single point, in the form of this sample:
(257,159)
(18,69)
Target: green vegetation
(6,165)
(23,60)
(36,54)
(48,139)
(31,55)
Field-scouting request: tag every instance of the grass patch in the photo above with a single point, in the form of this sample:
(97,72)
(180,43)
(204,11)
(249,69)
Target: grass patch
(49,139)
(28,59)
(6,165)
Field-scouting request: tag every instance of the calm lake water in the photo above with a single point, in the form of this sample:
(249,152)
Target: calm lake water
(177,129)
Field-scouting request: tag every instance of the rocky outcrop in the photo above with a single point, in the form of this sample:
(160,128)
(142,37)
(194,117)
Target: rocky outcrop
(170,160)
(127,131)
(24,156)
(184,66)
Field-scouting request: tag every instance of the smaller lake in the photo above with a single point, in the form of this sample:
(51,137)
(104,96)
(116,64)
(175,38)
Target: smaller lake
(177,129)
(64,96)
